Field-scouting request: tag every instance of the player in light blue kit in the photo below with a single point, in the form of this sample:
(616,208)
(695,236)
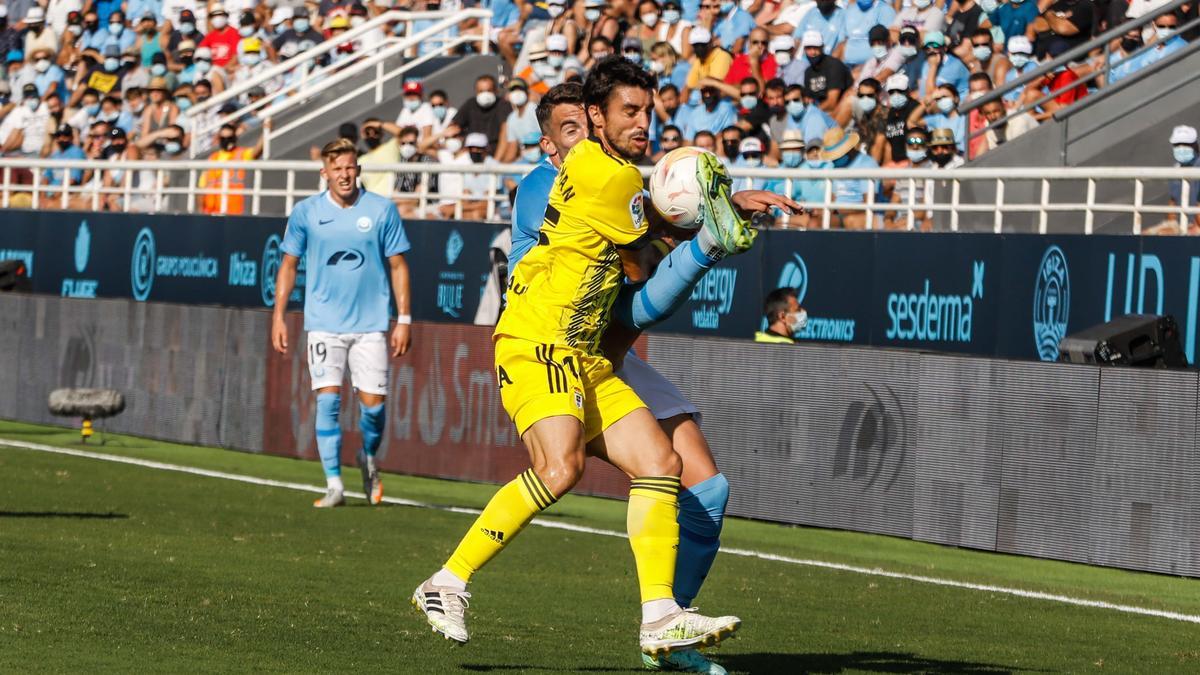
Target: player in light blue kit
(354,244)
(705,490)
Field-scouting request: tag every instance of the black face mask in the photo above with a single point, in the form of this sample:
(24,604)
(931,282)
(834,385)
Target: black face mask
(701,51)
(116,148)
(3,24)
(64,143)
(941,159)
(826,7)
(372,141)
(730,147)
(1131,44)
(709,100)
(57,116)
(476,157)
(91,26)
(228,143)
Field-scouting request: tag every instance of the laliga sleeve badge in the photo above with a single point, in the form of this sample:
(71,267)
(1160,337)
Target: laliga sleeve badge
(637,211)
(578,398)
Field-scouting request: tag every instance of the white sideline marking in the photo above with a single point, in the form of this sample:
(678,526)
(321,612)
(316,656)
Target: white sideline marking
(745,553)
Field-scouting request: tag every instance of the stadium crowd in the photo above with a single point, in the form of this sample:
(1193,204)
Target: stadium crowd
(774,83)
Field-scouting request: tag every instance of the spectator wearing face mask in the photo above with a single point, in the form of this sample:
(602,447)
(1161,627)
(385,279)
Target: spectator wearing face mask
(827,78)
(826,19)
(484,114)
(867,117)
(983,57)
(466,190)
(941,67)
(103,77)
(783,316)
(64,147)
(963,19)
(713,112)
(561,62)
(1184,147)
(414,111)
(923,16)
(917,192)
(1006,130)
(115,114)
(443,115)
(908,46)
(251,63)
(666,65)
(117,35)
(943,149)
(841,150)
(520,123)
(380,151)
(708,61)
(299,37)
(412,182)
(222,39)
(172,141)
(185,29)
(793,155)
(1020,55)
(885,60)
(673,29)
(788,68)
(1012,17)
(601,20)
(564,25)
(804,115)
(160,112)
(49,78)
(941,112)
(1164,39)
(37,35)
(631,49)
(751,156)
(732,26)
(226,186)
(24,129)
(861,19)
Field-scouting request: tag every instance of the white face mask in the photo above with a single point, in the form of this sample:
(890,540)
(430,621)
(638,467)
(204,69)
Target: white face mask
(555,11)
(220,22)
(651,20)
(591,14)
(555,60)
(408,151)
(532,155)
(485,99)
(453,145)
(250,59)
(796,321)
(411,104)
(657,67)
(518,97)
(879,51)
(922,4)
(41,65)
(783,58)
(246,31)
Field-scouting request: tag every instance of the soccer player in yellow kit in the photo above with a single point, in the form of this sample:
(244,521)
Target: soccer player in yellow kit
(560,390)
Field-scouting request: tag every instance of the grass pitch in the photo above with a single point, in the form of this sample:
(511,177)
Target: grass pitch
(109,567)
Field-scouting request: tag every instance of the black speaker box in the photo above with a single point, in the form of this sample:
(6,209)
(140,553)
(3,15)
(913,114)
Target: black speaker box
(1143,340)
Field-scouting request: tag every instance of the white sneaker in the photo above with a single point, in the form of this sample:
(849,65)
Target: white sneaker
(444,608)
(683,629)
(683,661)
(332,498)
(372,485)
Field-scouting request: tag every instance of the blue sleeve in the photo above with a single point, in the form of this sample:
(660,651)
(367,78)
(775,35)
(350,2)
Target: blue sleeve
(295,237)
(395,239)
(529,209)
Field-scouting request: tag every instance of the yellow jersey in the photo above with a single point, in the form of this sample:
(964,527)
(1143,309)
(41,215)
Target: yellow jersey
(561,292)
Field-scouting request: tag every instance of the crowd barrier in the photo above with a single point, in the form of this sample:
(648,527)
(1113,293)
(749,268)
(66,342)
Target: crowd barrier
(1071,462)
(1010,296)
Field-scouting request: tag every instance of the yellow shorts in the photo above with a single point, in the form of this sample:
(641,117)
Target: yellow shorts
(545,380)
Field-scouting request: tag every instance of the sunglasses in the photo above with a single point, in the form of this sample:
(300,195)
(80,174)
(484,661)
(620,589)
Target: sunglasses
(758,42)
(710,7)
(916,141)
(752,155)
(671,139)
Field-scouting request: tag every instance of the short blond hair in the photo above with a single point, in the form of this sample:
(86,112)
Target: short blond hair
(341,146)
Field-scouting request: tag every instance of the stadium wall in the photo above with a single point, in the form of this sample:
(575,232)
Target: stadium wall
(1059,461)
(1008,296)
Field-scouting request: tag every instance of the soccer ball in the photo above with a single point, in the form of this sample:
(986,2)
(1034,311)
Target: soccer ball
(674,189)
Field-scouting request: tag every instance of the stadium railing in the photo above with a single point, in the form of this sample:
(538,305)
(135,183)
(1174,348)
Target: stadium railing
(161,197)
(303,77)
(1109,61)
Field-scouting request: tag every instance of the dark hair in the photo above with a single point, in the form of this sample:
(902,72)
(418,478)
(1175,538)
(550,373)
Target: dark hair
(776,83)
(567,93)
(348,130)
(671,127)
(950,89)
(91,92)
(667,87)
(749,80)
(486,77)
(606,76)
(872,83)
(601,39)
(409,131)
(794,87)
(777,301)
(205,83)
(983,32)
(980,77)
(230,126)
(439,92)
(703,132)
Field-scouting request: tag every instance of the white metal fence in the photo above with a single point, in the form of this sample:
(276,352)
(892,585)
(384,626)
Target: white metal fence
(293,84)
(272,188)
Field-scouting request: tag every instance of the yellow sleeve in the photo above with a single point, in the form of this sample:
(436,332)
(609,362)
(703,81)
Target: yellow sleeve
(616,211)
(721,62)
(693,75)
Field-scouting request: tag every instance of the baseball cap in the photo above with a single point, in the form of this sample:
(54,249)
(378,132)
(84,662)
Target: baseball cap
(556,43)
(217,9)
(339,21)
(15,55)
(630,43)
(908,32)
(475,140)
(517,83)
(699,36)
(536,49)
(64,130)
(116,132)
(186,46)
(281,14)
(877,34)
(812,38)
(897,82)
(3,12)
(793,139)
(1019,44)
(148,16)
(413,87)
(250,44)
(35,15)
(186,15)
(1183,135)
(934,37)
(782,43)
(30,89)
(750,144)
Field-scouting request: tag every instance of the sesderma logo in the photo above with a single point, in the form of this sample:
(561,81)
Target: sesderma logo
(933,317)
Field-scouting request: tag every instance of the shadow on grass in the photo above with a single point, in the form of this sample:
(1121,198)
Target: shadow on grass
(79,515)
(876,662)
(490,668)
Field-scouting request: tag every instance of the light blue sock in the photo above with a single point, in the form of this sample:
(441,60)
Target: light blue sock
(640,306)
(701,514)
(329,433)
(370,422)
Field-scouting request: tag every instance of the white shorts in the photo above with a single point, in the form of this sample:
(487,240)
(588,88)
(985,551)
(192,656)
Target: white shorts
(663,398)
(366,353)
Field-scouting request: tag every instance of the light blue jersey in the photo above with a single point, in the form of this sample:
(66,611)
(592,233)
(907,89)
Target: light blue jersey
(348,289)
(533,194)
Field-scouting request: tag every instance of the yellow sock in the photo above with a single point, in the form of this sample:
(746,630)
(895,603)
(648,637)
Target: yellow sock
(654,533)
(504,516)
